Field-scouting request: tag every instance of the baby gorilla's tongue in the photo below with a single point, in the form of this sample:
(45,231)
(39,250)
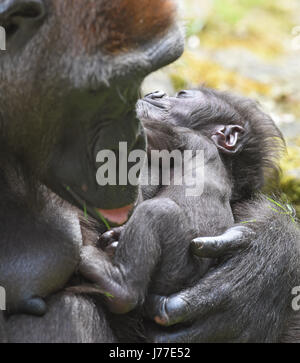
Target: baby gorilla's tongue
(117,216)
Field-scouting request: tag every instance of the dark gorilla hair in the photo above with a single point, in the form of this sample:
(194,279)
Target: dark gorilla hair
(154,256)
(256,164)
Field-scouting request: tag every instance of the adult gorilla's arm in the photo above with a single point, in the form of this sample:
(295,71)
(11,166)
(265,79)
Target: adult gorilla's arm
(248,297)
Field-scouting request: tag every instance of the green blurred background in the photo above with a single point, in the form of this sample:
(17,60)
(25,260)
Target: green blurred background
(249,47)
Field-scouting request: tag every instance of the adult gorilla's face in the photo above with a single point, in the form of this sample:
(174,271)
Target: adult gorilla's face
(70,79)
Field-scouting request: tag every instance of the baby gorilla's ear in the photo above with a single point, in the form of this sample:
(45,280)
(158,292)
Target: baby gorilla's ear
(229,138)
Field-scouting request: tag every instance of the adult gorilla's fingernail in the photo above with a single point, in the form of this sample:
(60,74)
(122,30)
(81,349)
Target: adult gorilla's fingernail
(117,216)
(160,321)
(172,311)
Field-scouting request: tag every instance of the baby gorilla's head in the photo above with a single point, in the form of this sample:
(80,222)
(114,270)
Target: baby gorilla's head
(247,138)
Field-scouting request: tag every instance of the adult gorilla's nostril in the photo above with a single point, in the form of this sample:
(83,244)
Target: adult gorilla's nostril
(156,94)
(22,18)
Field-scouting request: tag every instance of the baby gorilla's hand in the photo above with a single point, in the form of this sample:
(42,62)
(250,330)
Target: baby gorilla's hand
(109,240)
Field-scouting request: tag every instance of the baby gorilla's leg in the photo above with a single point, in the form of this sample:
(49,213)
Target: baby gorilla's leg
(126,279)
(108,280)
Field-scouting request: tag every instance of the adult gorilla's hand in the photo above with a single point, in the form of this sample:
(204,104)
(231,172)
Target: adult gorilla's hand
(247,297)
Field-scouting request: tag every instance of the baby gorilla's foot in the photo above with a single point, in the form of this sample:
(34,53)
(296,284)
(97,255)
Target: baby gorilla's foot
(33,306)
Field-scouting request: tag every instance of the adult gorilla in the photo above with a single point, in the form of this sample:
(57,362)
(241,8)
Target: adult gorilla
(69,82)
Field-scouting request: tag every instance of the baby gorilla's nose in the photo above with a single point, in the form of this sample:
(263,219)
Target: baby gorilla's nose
(156,94)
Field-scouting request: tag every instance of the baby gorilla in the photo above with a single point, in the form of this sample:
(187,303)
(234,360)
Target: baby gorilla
(154,254)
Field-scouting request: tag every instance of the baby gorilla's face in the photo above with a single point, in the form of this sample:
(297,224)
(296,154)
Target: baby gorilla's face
(205,110)
(178,110)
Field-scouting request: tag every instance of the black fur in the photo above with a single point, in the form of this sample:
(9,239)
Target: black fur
(153,254)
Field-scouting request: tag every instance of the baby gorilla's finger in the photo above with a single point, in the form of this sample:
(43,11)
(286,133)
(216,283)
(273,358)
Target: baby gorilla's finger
(234,239)
(109,237)
(111,249)
(105,239)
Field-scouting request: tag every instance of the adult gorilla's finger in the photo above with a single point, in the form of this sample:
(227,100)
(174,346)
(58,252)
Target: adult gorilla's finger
(185,306)
(231,241)
(167,311)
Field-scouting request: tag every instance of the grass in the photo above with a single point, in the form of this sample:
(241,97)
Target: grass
(286,209)
(103,220)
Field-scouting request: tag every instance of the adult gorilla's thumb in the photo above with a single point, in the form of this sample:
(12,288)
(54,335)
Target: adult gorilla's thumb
(166,311)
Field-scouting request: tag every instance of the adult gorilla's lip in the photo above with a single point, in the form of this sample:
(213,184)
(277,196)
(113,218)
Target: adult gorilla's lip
(167,49)
(117,216)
